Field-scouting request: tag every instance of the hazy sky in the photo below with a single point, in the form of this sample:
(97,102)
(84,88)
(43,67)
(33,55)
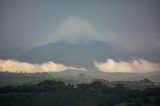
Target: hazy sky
(128,25)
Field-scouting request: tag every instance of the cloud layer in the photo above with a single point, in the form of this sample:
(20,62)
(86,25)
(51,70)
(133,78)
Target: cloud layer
(75,29)
(131,66)
(12,65)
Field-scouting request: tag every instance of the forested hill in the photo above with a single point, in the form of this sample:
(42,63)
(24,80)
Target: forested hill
(70,77)
(56,93)
(74,78)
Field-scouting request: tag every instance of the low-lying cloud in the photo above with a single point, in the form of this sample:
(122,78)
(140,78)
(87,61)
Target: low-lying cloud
(131,66)
(12,65)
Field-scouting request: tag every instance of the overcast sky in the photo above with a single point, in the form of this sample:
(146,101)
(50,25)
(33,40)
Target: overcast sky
(128,25)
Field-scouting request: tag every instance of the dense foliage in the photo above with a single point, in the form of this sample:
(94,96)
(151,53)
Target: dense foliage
(56,93)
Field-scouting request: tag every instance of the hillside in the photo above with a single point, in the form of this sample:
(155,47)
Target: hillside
(74,77)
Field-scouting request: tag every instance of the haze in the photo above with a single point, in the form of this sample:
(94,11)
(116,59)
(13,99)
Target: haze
(105,35)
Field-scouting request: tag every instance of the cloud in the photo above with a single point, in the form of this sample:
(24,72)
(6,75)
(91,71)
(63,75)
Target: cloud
(12,65)
(147,41)
(131,66)
(75,29)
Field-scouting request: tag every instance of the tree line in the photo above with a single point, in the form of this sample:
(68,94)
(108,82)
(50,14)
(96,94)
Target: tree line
(57,93)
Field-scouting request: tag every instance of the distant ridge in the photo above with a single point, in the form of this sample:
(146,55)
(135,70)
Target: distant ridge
(74,76)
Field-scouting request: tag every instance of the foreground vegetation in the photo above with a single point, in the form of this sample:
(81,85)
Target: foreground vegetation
(56,93)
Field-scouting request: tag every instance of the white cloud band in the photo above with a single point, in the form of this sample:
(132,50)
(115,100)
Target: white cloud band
(133,66)
(12,65)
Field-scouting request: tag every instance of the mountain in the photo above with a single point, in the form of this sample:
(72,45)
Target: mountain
(81,54)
